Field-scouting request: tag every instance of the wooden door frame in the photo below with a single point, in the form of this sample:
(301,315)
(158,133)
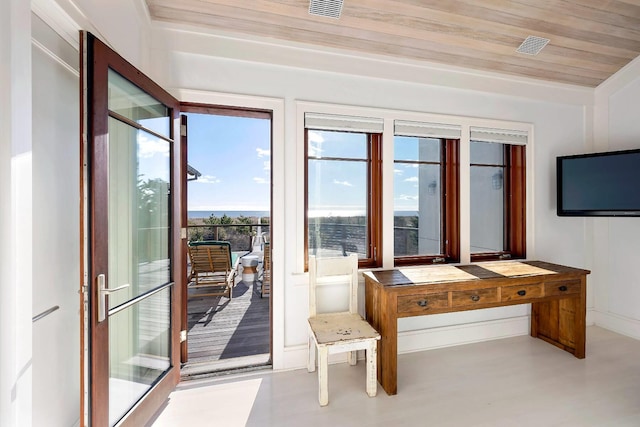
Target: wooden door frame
(94,222)
(184,318)
(234,111)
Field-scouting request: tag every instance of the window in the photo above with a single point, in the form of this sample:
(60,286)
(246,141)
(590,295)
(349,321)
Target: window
(417,202)
(343,196)
(497,194)
(425,199)
(344,200)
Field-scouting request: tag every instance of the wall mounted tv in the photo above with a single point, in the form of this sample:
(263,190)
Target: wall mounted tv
(599,184)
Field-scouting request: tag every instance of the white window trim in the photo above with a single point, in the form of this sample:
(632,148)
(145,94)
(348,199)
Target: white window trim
(279,215)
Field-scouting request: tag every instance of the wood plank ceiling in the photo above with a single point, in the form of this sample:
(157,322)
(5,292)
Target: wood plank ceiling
(590,39)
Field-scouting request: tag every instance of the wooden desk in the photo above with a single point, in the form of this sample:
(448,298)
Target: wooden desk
(557,294)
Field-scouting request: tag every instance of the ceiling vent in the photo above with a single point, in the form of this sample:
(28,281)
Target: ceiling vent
(532,45)
(326,8)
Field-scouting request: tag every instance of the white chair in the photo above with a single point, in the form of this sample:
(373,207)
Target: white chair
(340,332)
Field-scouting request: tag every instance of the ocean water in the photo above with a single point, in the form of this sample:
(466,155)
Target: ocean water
(234,214)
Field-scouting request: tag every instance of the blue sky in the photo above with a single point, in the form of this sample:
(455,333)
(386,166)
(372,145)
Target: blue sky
(407,177)
(337,187)
(233,155)
(341,186)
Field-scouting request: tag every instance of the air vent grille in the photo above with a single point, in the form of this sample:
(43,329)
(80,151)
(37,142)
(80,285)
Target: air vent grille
(326,8)
(532,45)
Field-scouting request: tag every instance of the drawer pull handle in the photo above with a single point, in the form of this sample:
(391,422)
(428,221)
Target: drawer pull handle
(475,298)
(423,302)
(522,293)
(563,288)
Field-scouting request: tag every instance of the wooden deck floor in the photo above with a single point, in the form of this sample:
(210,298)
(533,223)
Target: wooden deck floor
(221,329)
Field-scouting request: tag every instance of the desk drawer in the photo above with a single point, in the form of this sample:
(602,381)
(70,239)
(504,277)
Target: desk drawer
(474,297)
(514,293)
(562,287)
(423,303)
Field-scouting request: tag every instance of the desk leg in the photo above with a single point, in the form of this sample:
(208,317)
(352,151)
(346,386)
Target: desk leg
(581,321)
(535,312)
(562,322)
(380,309)
(388,347)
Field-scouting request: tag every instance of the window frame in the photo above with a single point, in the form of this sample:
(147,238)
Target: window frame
(514,206)
(374,197)
(421,123)
(449,208)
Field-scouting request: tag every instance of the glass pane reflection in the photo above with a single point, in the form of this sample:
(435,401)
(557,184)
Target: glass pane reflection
(337,203)
(487,153)
(487,197)
(416,149)
(346,145)
(417,196)
(417,209)
(487,209)
(139,351)
(130,101)
(139,220)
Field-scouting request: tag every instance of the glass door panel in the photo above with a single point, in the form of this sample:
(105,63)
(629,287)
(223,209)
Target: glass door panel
(139,351)
(139,203)
(139,251)
(133,239)
(131,102)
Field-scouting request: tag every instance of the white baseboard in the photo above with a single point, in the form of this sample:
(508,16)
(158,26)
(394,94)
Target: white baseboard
(295,357)
(447,336)
(616,323)
(591,316)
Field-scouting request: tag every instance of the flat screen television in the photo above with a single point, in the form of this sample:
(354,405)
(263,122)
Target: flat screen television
(599,184)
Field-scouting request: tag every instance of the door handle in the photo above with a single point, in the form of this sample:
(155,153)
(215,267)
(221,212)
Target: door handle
(102,296)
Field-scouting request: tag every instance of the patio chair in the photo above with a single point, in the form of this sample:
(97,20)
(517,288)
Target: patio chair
(342,331)
(213,267)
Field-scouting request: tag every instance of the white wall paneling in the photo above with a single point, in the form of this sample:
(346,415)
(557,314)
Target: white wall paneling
(56,231)
(616,280)
(15,214)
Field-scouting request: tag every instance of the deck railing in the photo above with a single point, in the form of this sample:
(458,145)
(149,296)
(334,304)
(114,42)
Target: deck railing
(347,238)
(351,238)
(239,235)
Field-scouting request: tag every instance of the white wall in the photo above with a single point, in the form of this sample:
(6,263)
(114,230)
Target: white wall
(616,241)
(56,229)
(39,188)
(15,213)
(123,25)
(220,64)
